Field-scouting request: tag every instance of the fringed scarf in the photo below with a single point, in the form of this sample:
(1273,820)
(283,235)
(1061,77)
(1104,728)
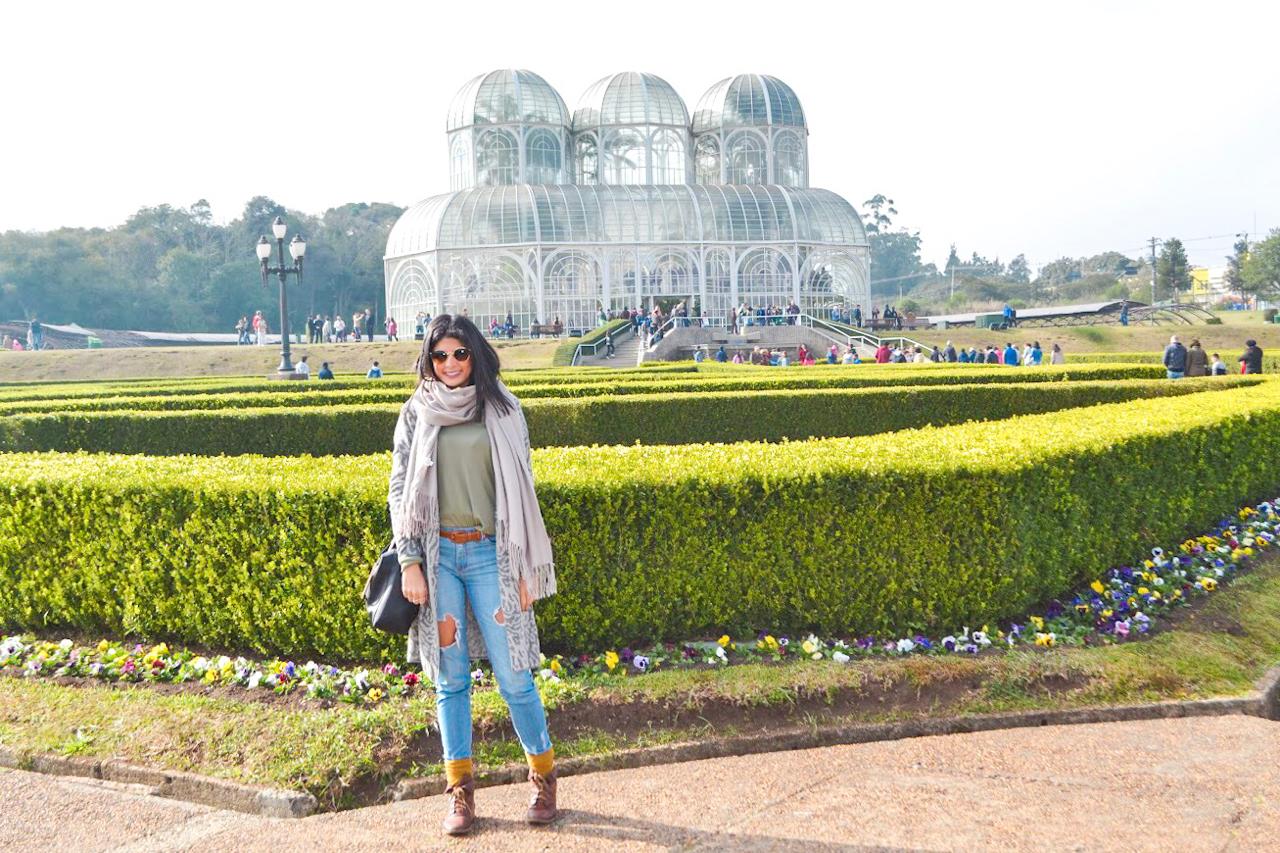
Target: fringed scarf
(519,519)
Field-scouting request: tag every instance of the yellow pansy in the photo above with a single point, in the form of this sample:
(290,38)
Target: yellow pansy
(1097,587)
(611,659)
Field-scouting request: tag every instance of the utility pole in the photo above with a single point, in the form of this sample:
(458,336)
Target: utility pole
(1154,241)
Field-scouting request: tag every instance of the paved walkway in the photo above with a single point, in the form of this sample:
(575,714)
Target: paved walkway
(1186,784)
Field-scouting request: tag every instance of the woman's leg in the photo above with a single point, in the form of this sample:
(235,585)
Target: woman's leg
(517,688)
(453,687)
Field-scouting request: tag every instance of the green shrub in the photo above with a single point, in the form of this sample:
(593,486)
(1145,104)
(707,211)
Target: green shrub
(648,418)
(926,529)
(584,383)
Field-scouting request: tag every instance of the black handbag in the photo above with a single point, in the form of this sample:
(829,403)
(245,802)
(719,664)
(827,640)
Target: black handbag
(388,609)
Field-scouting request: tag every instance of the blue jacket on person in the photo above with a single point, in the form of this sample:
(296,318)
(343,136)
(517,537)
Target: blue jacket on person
(1037,356)
(1011,356)
(1175,358)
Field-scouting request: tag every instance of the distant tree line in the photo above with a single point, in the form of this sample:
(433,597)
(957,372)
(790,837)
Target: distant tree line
(170,268)
(899,275)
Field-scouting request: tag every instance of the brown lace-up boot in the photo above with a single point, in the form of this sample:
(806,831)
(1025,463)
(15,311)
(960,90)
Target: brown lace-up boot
(542,802)
(462,807)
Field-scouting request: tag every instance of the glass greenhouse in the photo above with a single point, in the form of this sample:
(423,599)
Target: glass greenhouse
(625,202)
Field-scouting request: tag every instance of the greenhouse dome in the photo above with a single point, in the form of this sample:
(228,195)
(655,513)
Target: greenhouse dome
(555,216)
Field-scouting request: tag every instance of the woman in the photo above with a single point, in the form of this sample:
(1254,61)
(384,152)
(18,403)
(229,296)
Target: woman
(1197,360)
(1057,356)
(474,552)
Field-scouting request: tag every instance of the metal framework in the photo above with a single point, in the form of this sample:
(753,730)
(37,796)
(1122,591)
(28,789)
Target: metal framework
(626,202)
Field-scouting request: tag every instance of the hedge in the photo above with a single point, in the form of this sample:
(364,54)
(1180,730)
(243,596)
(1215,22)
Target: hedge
(926,529)
(758,379)
(648,418)
(1270,363)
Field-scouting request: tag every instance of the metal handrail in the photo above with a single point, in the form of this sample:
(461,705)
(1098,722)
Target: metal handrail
(580,350)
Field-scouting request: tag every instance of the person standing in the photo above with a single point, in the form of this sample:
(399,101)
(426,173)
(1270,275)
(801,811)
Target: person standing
(326,330)
(1175,358)
(368,325)
(470,537)
(1057,356)
(356,331)
(392,329)
(1010,354)
(1197,360)
(1251,360)
(242,330)
(721,355)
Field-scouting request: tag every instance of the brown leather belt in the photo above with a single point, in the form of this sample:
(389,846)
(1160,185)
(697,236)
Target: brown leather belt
(461,537)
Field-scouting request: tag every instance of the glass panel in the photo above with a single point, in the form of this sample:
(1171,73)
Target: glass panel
(788,161)
(587,160)
(668,158)
(497,158)
(625,157)
(746,159)
(708,160)
(460,175)
(542,157)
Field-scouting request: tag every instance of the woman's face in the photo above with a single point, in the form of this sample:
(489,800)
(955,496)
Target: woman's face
(451,371)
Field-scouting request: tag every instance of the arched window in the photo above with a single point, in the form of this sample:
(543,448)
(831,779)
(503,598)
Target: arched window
(542,157)
(788,161)
(588,160)
(625,158)
(668,158)
(497,159)
(707,163)
(459,168)
(746,159)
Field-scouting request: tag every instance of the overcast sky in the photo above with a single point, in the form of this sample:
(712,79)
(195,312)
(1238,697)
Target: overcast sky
(1003,128)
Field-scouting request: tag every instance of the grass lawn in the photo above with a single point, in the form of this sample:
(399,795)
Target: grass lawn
(347,755)
(1227,339)
(141,362)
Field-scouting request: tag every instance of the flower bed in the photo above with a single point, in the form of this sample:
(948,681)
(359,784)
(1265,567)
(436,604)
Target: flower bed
(1121,605)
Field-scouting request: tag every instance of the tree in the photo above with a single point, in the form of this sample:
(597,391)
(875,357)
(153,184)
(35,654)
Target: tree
(1261,273)
(953,260)
(1234,276)
(881,210)
(1173,273)
(895,254)
(1018,271)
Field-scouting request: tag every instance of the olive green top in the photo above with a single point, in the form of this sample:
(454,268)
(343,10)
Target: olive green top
(464,477)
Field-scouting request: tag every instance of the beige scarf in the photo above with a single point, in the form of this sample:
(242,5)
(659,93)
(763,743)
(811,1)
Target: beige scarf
(519,519)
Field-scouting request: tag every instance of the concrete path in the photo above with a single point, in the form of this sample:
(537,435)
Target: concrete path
(1183,784)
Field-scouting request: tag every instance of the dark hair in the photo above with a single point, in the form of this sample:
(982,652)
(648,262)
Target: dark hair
(484,359)
(1251,343)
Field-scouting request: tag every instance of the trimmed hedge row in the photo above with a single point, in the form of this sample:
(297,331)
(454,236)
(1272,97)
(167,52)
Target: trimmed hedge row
(761,379)
(926,529)
(566,422)
(223,384)
(1270,363)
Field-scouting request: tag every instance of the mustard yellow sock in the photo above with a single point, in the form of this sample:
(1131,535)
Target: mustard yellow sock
(457,770)
(543,763)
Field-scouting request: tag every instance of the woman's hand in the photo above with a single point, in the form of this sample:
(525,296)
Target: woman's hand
(526,600)
(412,584)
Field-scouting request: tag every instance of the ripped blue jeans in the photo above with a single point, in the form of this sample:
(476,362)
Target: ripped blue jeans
(469,572)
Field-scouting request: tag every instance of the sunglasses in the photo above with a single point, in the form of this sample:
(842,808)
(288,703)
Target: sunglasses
(439,356)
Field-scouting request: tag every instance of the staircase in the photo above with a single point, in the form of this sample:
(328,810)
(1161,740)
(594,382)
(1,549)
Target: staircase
(626,352)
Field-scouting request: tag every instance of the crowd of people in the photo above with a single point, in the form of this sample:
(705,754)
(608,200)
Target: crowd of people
(34,341)
(1180,361)
(320,329)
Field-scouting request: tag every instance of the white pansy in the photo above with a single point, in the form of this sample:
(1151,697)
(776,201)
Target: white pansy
(840,657)
(906,645)
(66,645)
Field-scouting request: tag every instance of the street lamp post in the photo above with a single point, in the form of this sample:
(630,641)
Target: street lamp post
(297,249)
